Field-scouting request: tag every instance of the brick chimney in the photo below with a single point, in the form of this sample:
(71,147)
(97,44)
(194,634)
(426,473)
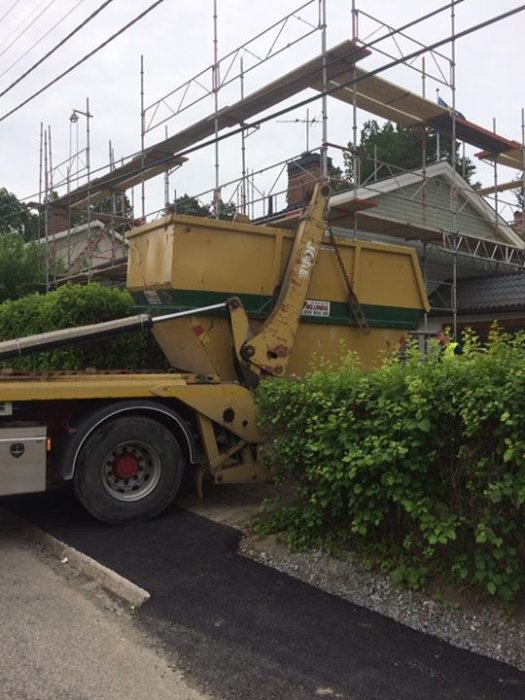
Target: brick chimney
(303,173)
(517,225)
(58,220)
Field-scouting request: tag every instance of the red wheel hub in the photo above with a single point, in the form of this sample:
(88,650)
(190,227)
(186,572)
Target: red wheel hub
(125,466)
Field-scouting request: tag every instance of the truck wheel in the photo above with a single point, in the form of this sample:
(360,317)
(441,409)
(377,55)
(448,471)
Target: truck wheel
(129,468)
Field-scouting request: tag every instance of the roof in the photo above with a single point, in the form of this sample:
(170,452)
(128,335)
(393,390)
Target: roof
(78,230)
(472,133)
(367,221)
(485,294)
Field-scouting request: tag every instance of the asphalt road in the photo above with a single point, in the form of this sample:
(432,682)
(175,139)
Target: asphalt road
(63,638)
(240,630)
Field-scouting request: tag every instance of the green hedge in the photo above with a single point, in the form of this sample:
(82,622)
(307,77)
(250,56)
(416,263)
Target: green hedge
(419,466)
(77,305)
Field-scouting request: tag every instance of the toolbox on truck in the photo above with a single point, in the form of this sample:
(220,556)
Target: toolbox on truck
(22,458)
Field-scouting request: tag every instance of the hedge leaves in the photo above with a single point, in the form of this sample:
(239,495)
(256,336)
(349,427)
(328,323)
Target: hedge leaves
(418,465)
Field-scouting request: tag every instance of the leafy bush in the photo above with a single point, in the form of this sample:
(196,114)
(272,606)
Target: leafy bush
(21,265)
(76,305)
(418,465)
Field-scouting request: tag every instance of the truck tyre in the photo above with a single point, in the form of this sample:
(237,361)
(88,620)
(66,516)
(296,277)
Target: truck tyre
(130,468)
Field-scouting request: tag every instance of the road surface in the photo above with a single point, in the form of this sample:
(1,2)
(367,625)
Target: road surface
(239,630)
(63,638)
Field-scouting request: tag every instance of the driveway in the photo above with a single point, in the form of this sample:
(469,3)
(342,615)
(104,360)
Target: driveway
(239,630)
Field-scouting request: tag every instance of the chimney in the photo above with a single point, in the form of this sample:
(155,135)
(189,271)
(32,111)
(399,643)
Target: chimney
(58,220)
(517,225)
(303,173)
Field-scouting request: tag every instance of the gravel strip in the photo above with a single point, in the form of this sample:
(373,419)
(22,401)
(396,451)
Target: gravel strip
(480,627)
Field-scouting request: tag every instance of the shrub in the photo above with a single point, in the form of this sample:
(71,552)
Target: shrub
(69,306)
(418,465)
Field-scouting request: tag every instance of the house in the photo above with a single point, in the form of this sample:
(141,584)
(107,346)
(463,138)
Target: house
(417,206)
(454,244)
(87,252)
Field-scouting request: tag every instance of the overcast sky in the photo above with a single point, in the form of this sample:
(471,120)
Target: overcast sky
(176,40)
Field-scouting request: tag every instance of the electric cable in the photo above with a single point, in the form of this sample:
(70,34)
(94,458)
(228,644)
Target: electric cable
(28,51)
(17,37)
(56,47)
(7,12)
(82,60)
(308,100)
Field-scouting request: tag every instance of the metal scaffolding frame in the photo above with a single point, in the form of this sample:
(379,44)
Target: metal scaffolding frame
(74,172)
(232,70)
(358,88)
(456,244)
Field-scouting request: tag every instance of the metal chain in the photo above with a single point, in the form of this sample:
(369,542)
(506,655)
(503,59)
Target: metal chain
(353,301)
(341,264)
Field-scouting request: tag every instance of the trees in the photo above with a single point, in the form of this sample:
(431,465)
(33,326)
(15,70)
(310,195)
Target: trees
(21,266)
(15,217)
(387,149)
(118,205)
(186,204)
(227,210)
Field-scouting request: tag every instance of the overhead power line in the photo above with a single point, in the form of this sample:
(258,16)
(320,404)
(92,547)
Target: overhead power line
(55,48)
(371,73)
(82,60)
(28,51)
(330,91)
(9,10)
(20,34)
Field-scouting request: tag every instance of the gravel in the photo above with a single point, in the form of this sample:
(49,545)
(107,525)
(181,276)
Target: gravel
(484,628)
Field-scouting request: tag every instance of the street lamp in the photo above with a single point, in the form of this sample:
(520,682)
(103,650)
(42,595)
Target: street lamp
(74,116)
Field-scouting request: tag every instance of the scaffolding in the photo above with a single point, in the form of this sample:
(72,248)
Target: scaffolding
(234,111)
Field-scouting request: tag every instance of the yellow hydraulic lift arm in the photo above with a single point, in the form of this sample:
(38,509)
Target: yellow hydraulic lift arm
(268,350)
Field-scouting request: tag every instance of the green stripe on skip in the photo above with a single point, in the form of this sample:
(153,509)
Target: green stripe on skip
(161,301)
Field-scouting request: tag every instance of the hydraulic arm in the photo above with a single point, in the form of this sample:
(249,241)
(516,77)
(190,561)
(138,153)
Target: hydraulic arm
(268,350)
(68,337)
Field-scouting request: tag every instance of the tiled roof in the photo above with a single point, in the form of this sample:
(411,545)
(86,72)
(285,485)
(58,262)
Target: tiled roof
(485,294)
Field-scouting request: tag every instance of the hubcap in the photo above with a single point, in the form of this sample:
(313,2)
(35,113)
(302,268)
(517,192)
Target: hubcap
(125,466)
(131,470)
